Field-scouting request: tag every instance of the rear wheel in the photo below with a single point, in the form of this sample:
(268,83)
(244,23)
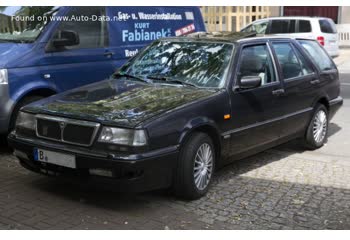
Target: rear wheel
(317,130)
(195,167)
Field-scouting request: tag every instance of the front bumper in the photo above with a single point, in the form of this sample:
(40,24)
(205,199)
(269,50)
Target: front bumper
(138,173)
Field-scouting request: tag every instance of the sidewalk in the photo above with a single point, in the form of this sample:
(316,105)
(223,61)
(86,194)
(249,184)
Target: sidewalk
(343,61)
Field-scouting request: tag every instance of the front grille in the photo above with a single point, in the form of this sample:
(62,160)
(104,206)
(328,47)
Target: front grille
(48,129)
(66,130)
(78,134)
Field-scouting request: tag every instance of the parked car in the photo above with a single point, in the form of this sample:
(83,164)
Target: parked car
(180,109)
(319,28)
(74,46)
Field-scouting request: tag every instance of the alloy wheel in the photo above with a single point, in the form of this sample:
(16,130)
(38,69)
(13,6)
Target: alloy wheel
(203,166)
(320,126)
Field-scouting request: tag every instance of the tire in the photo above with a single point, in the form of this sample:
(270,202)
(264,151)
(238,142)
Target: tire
(23,102)
(192,169)
(317,131)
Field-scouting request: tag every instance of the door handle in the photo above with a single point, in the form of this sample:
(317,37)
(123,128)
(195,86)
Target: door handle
(278,92)
(108,54)
(316,81)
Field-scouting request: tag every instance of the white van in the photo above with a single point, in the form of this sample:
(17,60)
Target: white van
(319,28)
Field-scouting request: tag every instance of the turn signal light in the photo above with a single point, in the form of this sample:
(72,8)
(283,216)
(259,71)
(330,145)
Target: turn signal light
(227,116)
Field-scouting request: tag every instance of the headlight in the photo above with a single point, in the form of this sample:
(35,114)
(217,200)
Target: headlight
(123,136)
(25,121)
(3,76)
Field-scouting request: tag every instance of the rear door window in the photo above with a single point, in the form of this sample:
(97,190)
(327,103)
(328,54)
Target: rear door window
(292,63)
(292,26)
(327,26)
(279,26)
(318,55)
(304,26)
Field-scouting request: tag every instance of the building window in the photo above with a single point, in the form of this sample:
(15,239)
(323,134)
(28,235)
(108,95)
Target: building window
(233,24)
(224,26)
(234,9)
(253,8)
(217,24)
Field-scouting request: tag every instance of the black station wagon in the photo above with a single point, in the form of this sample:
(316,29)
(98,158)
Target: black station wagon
(180,109)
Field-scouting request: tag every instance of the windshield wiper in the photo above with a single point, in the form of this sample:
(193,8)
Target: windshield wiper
(131,76)
(168,80)
(182,83)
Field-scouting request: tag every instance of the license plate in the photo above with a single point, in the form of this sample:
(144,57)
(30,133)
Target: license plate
(56,158)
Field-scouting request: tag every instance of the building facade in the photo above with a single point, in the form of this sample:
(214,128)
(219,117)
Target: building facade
(233,18)
(340,15)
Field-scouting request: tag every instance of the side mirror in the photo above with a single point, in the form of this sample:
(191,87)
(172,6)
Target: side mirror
(66,38)
(249,82)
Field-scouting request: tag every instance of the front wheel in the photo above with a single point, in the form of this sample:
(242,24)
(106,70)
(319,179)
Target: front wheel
(195,167)
(317,130)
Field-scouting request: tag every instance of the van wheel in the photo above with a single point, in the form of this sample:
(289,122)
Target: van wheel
(22,103)
(195,167)
(317,130)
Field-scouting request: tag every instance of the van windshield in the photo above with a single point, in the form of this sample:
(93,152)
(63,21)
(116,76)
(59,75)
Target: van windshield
(201,64)
(23,24)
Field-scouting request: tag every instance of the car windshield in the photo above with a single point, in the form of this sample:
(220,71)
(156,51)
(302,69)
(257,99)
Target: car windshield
(199,64)
(23,24)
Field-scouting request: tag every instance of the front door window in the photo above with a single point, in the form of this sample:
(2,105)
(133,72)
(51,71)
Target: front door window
(92,33)
(257,61)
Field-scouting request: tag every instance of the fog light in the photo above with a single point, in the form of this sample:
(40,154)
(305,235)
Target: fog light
(101,172)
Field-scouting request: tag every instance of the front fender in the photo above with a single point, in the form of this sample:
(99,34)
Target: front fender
(25,80)
(196,124)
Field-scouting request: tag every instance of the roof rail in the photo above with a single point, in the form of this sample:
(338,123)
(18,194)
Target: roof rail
(196,34)
(222,34)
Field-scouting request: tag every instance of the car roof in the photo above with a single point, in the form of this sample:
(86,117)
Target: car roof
(228,37)
(291,17)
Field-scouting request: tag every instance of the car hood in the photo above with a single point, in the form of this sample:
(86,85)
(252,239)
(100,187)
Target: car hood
(119,102)
(12,51)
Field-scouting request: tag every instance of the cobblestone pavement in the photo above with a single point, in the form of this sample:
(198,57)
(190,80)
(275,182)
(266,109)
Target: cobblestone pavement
(282,188)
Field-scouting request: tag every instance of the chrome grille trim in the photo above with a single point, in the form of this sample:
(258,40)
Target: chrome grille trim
(66,121)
